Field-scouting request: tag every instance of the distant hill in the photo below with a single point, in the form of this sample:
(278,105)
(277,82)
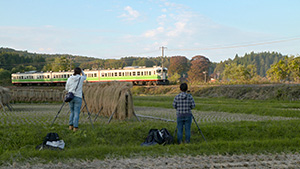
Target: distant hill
(10,58)
(262,61)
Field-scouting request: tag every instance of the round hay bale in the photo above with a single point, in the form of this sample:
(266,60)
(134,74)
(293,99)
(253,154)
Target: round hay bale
(111,97)
(5,96)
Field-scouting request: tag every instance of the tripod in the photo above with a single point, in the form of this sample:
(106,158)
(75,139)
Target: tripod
(85,105)
(197,126)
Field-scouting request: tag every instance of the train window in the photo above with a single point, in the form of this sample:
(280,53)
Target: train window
(116,73)
(112,74)
(142,73)
(120,73)
(123,74)
(105,74)
(133,73)
(138,73)
(95,74)
(48,76)
(149,72)
(129,73)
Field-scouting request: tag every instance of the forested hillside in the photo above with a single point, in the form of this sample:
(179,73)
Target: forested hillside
(241,68)
(262,61)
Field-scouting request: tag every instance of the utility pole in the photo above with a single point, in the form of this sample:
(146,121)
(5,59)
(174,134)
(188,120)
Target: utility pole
(162,56)
(70,63)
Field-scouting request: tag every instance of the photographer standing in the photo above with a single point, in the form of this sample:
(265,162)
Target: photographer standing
(184,103)
(74,84)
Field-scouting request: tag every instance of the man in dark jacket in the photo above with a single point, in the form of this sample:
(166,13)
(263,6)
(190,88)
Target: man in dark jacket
(184,103)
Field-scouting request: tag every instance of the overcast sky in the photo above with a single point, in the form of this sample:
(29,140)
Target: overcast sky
(217,29)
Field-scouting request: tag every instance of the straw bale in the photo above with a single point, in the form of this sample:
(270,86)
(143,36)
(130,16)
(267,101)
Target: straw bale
(112,97)
(5,96)
(31,95)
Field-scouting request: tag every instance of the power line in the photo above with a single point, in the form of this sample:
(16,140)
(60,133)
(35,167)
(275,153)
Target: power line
(238,46)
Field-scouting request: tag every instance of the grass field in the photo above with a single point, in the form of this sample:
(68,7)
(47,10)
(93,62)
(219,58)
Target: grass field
(230,127)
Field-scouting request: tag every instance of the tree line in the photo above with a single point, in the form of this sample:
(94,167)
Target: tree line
(252,67)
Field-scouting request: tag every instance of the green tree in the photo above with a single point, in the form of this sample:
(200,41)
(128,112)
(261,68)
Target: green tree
(5,76)
(61,63)
(279,71)
(294,66)
(174,78)
(239,73)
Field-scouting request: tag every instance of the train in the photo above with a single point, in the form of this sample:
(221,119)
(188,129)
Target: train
(138,75)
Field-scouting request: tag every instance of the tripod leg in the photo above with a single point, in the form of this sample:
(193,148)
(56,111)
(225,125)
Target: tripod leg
(113,112)
(87,111)
(175,132)
(82,109)
(57,113)
(2,106)
(198,128)
(136,116)
(10,107)
(111,116)
(98,114)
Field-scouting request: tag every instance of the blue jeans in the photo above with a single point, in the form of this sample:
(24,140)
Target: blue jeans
(186,122)
(75,106)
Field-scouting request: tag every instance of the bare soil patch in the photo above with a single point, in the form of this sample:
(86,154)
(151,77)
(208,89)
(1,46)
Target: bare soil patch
(244,161)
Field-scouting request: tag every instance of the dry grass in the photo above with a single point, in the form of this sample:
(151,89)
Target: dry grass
(37,95)
(110,97)
(5,96)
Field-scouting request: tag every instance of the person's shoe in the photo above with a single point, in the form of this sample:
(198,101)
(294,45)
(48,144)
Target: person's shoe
(75,129)
(70,127)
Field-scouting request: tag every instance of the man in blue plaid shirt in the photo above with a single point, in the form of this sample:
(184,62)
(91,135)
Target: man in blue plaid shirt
(184,103)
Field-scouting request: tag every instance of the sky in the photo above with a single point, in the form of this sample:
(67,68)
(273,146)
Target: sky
(216,29)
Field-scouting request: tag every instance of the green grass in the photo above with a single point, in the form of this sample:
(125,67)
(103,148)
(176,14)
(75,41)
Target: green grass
(123,139)
(258,107)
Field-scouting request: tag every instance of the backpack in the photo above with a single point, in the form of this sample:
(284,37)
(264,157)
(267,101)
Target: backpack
(167,137)
(51,137)
(156,136)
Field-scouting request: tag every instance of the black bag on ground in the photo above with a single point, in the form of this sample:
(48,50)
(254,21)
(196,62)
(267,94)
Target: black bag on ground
(51,137)
(167,137)
(156,136)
